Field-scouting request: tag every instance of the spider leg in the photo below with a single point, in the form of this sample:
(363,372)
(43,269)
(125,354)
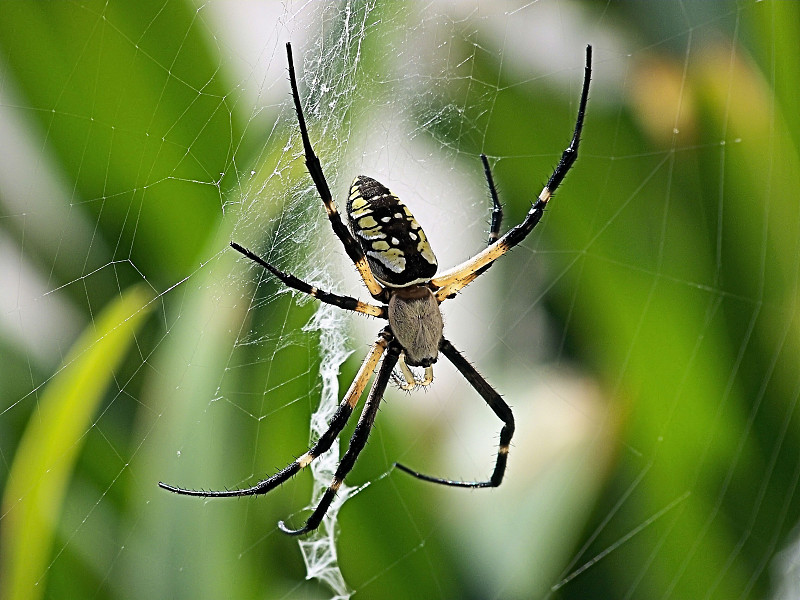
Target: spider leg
(357,442)
(497,208)
(449,282)
(322,445)
(290,280)
(494,233)
(496,403)
(351,246)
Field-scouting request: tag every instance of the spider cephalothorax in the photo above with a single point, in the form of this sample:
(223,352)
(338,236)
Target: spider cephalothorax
(392,254)
(416,322)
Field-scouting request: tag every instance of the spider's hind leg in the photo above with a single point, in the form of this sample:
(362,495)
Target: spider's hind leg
(357,443)
(496,403)
(325,441)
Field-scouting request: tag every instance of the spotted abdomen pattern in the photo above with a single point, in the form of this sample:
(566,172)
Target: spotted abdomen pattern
(397,249)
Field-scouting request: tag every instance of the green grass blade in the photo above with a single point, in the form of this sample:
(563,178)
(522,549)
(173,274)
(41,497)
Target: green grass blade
(47,453)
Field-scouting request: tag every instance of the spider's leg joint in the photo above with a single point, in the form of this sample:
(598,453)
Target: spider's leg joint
(285,529)
(305,460)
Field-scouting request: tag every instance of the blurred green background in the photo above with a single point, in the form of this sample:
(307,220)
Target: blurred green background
(647,333)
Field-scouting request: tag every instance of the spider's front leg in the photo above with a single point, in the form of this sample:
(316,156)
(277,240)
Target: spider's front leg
(448,283)
(351,246)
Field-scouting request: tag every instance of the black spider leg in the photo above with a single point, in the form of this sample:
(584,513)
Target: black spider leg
(494,233)
(322,445)
(357,441)
(451,281)
(497,208)
(351,246)
(345,302)
(569,155)
(496,403)
(497,217)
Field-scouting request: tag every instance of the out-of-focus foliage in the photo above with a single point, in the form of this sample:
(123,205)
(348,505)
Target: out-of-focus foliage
(670,257)
(45,457)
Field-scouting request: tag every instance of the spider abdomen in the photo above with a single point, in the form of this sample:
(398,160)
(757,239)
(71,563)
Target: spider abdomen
(416,322)
(395,245)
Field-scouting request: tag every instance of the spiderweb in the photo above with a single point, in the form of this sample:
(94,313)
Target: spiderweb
(646,334)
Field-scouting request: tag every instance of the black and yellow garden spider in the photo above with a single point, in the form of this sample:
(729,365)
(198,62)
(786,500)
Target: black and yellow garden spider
(395,261)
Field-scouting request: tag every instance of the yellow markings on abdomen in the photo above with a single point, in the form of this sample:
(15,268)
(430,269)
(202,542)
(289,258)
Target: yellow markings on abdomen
(397,249)
(367,222)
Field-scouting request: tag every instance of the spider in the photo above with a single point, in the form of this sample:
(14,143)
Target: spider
(396,263)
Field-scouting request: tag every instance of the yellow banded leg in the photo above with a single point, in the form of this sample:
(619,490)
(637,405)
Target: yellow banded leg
(367,368)
(428,379)
(345,302)
(411,382)
(408,375)
(322,445)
